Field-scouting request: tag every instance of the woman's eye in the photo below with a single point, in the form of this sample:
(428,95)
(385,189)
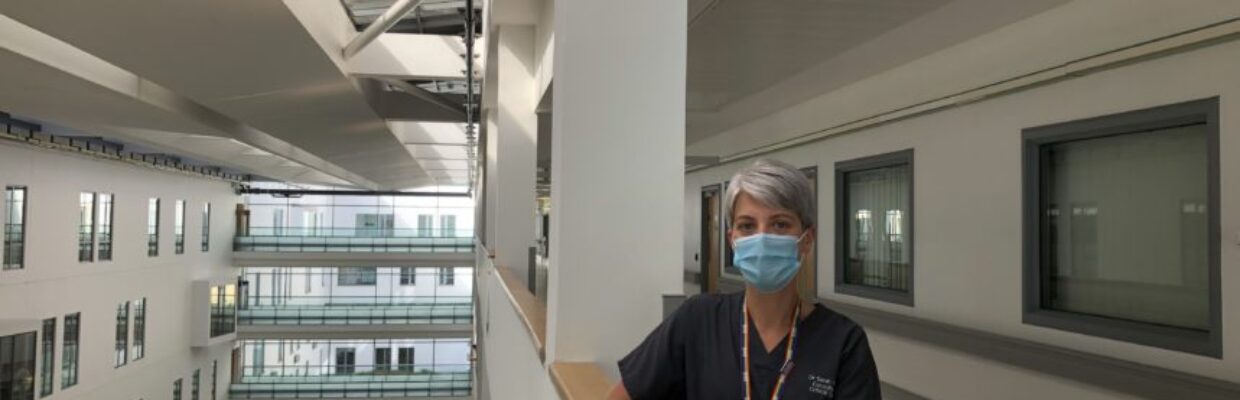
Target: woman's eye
(745,227)
(782,225)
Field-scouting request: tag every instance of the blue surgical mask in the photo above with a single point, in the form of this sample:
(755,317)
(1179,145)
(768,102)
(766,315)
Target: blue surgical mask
(768,262)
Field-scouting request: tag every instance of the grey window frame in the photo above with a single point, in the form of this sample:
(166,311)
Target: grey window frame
(842,169)
(206,228)
(152,226)
(121,348)
(18,261)
(1209,343)
(104,226)
(69,364)
(86,237)
(47,358)
(178,226)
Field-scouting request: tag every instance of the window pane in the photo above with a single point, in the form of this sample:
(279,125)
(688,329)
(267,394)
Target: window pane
(206,227)
(152,228)
(14,227)
(48,349)
(86,227)
(70,346)
(877,243)
(1126,227)
(105,227)
(122,334)
(178,226)
(356,276)
(139,328)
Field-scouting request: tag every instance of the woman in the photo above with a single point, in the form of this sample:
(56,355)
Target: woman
(765,342)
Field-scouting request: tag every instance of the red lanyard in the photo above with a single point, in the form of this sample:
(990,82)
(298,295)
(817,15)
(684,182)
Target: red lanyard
(784,369)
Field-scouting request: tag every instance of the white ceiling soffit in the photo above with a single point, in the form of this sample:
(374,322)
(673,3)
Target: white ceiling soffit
(272,65)
(748,59)
(439,147)
(47,79)
(411,56)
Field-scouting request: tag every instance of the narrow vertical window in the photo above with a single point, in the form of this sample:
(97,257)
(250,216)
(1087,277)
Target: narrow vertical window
(194,383)
(14,227)
(383,360)
(874,217)
(86,227)
(447,276)
(404,359)
(139,328)
(122,334)
(215,373)
(206,227)
(178,226)
(152,227)
(408,276)
(105,226)
(447,226)
(71,347)
(176,389)
(424,225)
(47,370)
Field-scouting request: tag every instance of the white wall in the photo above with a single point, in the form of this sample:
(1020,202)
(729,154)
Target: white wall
(512,367)
(968,181)
(53,283)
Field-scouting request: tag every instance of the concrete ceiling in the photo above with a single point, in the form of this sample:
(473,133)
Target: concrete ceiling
(271,65)
(750,58)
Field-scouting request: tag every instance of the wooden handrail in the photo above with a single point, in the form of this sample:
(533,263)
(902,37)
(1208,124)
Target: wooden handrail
(531,310)
(580,381)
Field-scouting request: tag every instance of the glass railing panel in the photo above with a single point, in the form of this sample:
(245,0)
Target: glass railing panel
(350,381)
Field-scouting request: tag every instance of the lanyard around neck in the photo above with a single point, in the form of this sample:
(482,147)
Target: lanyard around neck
(784,368)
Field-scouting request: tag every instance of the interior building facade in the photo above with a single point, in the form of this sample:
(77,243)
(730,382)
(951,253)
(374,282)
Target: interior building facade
(500,199)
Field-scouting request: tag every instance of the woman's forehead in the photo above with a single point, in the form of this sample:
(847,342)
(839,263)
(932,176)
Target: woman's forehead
(748,206)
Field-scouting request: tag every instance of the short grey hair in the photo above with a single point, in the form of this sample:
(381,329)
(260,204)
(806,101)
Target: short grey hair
(774,184)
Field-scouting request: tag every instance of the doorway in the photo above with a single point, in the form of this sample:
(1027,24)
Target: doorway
(712,236)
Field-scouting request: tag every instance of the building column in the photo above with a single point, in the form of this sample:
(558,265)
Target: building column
(514,144)
(617,183)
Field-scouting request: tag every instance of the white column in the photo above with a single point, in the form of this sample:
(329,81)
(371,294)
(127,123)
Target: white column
(515,139)
(617,169)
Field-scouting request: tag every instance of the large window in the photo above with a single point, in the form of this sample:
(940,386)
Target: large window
(1122,227)
(223,309)
(356,276)
(17,359)
(178,226)
(86,227)
(14,227)
(206,227)
(152,227)
(47,367)
(139,329)
(874,227)
(122,334)
(70,349)
(105,226)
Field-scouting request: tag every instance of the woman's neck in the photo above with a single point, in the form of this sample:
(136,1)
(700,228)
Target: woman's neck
(772,312)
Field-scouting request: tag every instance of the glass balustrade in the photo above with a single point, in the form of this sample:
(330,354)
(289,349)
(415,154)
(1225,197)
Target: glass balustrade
(356,296)
(362,240)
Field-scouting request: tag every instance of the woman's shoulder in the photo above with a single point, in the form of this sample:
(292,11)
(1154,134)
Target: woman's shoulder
(832,323)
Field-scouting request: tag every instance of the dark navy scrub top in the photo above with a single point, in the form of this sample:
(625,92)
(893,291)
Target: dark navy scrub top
(696,354)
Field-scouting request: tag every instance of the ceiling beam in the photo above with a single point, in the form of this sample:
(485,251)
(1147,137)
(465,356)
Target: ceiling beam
(390,17)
